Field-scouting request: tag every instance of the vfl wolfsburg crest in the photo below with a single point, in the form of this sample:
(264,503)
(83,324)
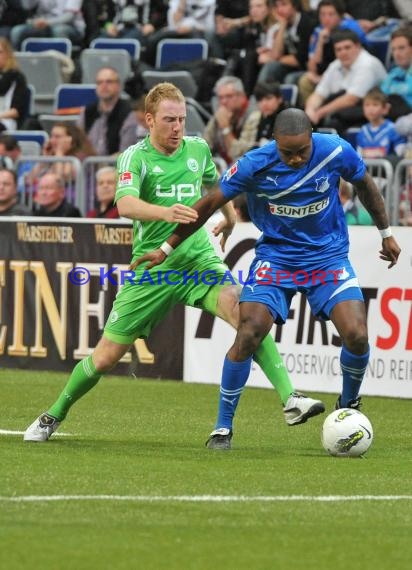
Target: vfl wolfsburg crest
(192,165)
(322,184)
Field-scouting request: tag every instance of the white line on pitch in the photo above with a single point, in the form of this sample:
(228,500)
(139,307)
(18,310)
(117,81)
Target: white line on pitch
(205,498)
(13,432)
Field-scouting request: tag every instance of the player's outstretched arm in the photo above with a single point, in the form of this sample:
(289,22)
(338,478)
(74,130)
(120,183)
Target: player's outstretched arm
(204,207)
(137,209)
(371,198)
(225,226)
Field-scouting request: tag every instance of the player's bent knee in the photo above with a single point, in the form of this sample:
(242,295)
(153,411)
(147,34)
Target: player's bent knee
(249,337)
(228,305)
(356,341)
(107,354)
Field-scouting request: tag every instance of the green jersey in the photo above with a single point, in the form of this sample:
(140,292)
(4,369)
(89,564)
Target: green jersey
(160,179)
(147,174)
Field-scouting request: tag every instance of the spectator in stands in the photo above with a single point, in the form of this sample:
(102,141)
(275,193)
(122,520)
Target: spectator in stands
(231,17)
(106,180)
(355,213)
(337,99)
(66,140)
(9,205)
(138,107)
(191,17)
(11,14)
(224,130)
(331,14)
(50,198)
(398,83)
(244,62)
(404,9)
(10,153)
(96,14)
(13,89)
(110,123)
(134,19)
(378,138)
(404,127)
(185,19)
(260,123)
(378,18)
(58,19)
(288,53)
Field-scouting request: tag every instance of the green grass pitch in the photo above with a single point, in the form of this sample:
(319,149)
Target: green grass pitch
(133,487)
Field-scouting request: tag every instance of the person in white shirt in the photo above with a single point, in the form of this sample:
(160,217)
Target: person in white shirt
(51,18)
(337,99)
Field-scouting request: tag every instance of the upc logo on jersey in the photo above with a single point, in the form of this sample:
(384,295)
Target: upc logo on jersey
(322,184)
(232,170)
(178,191)
(125,178)
(298,211)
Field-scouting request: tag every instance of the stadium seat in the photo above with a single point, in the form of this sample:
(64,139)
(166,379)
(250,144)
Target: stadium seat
(204,113)
(380,48)
(289,93)
(194,122)
(40,137)
(326,130)
(350,135)
(382,172)
(130,45)
(170,51)
(182,79)
(91,60)
(47,121)
(63,45)
(70,98)
(30,148)
(43,72)
(29,104)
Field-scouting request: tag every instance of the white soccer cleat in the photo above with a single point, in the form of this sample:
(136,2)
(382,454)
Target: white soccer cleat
(299,408)
(42,428)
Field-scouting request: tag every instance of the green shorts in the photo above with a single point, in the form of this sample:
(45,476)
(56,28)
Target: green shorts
(144,301)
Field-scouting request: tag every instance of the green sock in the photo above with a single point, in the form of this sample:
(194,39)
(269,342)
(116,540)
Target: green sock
(267,355)
(270,361)
(82,379)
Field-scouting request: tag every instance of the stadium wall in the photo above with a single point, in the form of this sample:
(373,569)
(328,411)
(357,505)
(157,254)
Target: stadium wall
(47,322)
(311,347)
(54,298)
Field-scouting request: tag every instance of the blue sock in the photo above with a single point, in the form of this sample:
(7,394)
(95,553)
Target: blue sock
(353,370)
(234,377)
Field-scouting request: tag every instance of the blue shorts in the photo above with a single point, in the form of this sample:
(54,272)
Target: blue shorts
(325,285)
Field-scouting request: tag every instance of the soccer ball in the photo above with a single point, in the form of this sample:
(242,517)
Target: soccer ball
(347,433)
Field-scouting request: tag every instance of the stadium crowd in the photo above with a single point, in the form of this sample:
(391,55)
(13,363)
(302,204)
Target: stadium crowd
(328,52)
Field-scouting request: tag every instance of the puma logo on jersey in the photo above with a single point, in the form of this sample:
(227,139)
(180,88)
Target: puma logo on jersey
(274,180)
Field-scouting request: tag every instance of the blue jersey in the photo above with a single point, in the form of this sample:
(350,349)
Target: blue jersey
(378,142)
(297,210)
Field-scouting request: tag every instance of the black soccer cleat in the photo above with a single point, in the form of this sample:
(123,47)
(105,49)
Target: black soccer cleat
(220,439)
(353,404)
